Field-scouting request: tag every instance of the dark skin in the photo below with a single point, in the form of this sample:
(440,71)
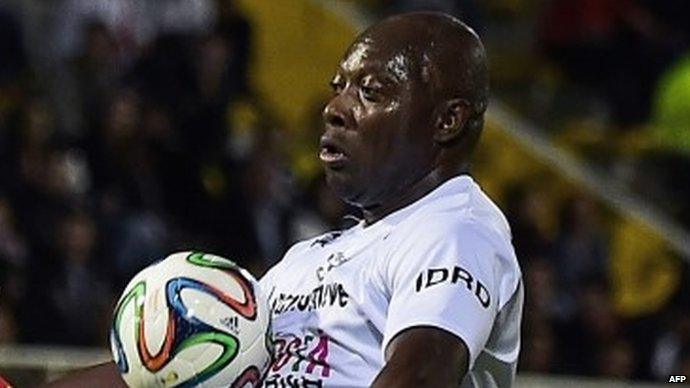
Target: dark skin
(400,122)
(405,116)
(406,113)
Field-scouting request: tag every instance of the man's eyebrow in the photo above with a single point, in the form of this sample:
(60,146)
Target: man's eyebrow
(381,71)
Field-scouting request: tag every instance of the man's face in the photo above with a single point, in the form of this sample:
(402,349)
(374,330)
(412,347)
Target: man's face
(377,137)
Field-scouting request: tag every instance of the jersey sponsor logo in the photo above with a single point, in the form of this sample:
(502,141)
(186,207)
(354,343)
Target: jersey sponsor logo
(334,260)
(292,381)
(433,277)
(299,361)
(325,295)
(327,239)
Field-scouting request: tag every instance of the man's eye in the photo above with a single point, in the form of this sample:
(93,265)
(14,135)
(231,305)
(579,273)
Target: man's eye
(370,94)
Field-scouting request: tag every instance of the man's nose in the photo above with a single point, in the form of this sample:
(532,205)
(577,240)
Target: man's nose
(335,114)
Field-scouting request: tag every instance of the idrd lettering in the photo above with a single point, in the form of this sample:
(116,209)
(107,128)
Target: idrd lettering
(456,275)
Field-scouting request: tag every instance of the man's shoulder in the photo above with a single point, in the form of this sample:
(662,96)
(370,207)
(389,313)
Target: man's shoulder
(467,228)
(454,223)
(469,209)
(473,238)
(301,247)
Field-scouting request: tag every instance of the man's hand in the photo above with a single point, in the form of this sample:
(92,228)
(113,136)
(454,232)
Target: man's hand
(424,357)
(102,376)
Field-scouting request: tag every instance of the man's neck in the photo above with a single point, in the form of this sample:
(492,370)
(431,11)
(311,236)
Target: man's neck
(409,195)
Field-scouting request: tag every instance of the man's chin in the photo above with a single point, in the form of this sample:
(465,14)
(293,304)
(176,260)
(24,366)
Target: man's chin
(344,187)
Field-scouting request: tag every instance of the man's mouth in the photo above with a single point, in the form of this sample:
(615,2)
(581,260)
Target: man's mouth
(332,154)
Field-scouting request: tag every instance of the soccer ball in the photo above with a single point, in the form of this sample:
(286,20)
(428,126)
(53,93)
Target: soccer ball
(193,319)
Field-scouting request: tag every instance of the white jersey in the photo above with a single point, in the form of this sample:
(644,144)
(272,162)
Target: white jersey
(444,261)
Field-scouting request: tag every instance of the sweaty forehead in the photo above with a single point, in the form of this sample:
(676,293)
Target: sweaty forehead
(394,56)
(433,49)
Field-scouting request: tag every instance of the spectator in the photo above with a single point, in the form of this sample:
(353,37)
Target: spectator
(13,56)
(14,256)
(94,74)
(8,326)
(617,360)
(78,295)
(526,213)
(627,41)
(581,247)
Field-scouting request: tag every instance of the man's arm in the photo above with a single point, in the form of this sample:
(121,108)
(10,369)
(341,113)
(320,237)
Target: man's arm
(424,357)
(104,375)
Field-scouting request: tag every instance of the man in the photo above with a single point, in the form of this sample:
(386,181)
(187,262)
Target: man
(425,291)
(426,287)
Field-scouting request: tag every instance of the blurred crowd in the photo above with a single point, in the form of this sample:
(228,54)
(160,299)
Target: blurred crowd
(571,323)
(604,78)
(129,130)
(120,146)
(611,82)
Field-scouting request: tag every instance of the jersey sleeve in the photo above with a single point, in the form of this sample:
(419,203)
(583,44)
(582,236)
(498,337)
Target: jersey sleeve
(443,277)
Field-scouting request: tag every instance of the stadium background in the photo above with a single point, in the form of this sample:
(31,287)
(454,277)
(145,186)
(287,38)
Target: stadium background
(131,129)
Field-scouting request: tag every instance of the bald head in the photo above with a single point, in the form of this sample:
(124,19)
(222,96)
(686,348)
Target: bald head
(440,51)
(406,111)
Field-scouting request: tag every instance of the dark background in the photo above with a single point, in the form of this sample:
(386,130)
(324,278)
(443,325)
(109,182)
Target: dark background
(130,130)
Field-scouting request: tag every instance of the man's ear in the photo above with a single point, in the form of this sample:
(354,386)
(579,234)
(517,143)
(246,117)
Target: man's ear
(451,117)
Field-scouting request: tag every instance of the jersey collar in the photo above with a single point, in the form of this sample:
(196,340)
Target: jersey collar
(453,186)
